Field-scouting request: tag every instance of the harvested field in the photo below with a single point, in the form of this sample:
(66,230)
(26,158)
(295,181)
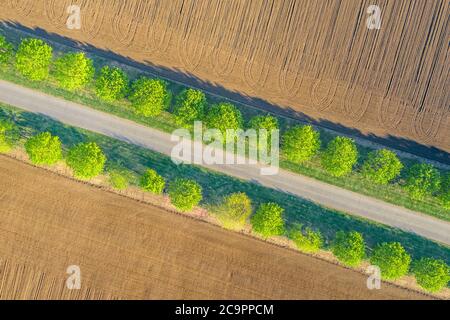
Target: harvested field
(316,57)
(127,249)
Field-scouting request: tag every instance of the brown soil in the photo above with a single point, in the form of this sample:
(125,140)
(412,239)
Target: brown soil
(317,57)
(128,249)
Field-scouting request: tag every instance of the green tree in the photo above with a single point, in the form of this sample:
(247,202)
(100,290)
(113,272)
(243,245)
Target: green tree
(392,259)
(149,97)
(6,142)
(185,194)
(152,182)
(431,274)
(444,194)
(118,179)
(349,248)
(307,240)
(267,122)
(189,106)
(6,51)
(234,211)
(33,59)
(340,156)
(422,180)
(73,70)
(86,160)
(111,84)
(224,116)
(44,148)
(300,143)
(382,166)
(268,220)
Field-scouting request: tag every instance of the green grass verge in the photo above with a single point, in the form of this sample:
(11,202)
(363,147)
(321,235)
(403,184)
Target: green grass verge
(392,193)
(135,160)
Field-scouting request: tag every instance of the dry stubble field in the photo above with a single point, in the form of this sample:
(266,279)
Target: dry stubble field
(127,249)
(316,57)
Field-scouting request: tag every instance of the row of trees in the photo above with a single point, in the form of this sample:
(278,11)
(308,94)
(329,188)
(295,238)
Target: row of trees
(150,97)
(87,161)
(349,247)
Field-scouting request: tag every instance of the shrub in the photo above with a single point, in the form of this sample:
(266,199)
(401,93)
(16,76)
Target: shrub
(185,194)
(300,143)
(111,84)
(149,97)
(33,59)
(44,148)
(382,166)
(189,106)
(5,139)
(444,194)
(73,70)
(152,182)
(234,211)
(86,160)
(340,156)
(422,180)
(309,241)
(349,248)
(268,220)
(392,259)
(431,274)
(6,51)
(224,116)
(118,180)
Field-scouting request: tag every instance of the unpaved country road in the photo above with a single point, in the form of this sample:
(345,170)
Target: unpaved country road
(126,249)
(316,191)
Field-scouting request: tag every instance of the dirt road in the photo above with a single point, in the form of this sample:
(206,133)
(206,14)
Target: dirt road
(319,192)
(127,249)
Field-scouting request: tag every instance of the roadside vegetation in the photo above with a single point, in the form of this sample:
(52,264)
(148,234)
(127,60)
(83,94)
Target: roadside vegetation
(158,103)
(236,204)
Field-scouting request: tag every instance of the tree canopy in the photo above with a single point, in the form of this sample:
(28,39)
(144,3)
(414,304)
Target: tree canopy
(189,106)
(268,220)
(431,274)
(152,182)
(300,143)
(149,97)
(73,70)
(86,160)
(112,84)
(185,194)
(6,128)
(307,240)
(224,116)
(340,156)
(392,259)
(382,166)
(6,51)
(349,248)
(33,59)
(44,148)
(234,211)
(444,193)
(422,179)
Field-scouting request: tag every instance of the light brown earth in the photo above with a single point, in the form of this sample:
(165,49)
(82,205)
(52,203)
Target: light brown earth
(316,57)
(127,249)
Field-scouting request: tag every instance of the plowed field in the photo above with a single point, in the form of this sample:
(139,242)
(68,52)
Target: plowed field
(317,58)
(127,249)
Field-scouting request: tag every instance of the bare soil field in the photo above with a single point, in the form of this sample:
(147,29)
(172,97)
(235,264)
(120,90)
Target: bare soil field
(314,58)
(127,249)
